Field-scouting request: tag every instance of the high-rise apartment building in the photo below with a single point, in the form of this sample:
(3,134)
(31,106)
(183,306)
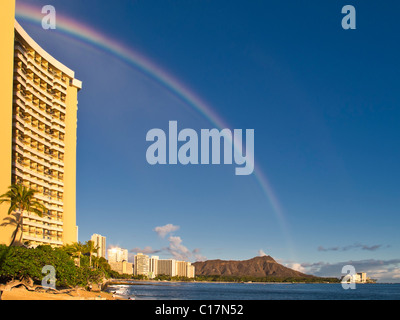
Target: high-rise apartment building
(181,268)
(117,255)
(100,243)
(38,122)
(167,267)
(190,270)
(118,260)
(184,269)
(141,265)
(153,266)
(123,267)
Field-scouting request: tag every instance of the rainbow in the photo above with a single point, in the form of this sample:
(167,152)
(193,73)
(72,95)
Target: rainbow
(88,35)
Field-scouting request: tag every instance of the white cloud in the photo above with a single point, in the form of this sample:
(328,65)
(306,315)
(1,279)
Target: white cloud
(361,246)
(296,266)
(164,230)
(177,249)
(261,253)
(382,270)
(145,250)
(175,246)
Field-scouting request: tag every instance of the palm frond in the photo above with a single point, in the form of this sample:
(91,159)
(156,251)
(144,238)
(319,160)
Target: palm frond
(13,207)
(22,198)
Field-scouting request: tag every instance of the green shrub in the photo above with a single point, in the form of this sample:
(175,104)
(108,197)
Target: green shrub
(23,263)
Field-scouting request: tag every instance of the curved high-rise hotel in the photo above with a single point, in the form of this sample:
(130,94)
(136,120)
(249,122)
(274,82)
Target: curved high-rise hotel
(38,123)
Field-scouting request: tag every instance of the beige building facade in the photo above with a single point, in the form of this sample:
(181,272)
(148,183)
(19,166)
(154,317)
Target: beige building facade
(99,243)
(167,267)
(123,267)
(38,124)
(117,254)
(154,266)
(141,265)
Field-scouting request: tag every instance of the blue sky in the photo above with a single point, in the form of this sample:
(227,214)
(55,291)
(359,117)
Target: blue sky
(323,101)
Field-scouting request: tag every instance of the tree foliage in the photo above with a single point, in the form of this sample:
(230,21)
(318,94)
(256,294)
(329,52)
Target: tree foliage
(21,198)
(18,263)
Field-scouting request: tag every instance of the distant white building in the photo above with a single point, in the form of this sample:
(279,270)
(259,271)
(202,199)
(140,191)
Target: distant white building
(117,255)
(99,242)
(190,270)
(361,277)
(122,267)
(153,266)
(141,265)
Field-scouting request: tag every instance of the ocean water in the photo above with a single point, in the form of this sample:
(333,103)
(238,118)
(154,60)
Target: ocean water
(253,291)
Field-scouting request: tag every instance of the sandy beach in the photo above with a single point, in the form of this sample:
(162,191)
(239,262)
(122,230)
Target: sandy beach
(78,294)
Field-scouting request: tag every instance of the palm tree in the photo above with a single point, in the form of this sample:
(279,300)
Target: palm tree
(79,248)
(90,248)
(75,250)
(21,198)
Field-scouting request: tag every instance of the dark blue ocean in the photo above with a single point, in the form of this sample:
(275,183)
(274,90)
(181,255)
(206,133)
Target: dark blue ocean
(253,291)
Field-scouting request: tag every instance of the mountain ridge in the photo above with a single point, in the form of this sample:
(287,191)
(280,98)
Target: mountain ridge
(262,266)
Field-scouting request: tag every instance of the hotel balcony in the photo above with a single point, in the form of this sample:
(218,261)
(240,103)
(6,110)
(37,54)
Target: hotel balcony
(26,177)
(18,102)
(57,141)
(57,148)
(55,208)
(59,88)
(39,70)
(21,57)
(20,77)
(38,94)
(24,167)
(42,222)
(58,80)
(20,94)
(39,154)
(40,133)
(59,108)
(36,137)
(59,101)
(48,240)
(57,161)
(57,202)
(44,116)
(40,88)
(33,70)
(55,186)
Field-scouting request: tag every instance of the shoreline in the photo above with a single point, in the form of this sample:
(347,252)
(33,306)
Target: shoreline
(141,282)
(19,293)
(160,282)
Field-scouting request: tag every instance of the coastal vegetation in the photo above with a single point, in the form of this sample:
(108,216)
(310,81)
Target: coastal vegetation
(73,264)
